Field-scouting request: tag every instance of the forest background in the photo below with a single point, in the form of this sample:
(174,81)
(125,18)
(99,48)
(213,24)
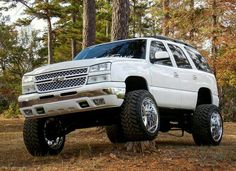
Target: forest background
(209,25)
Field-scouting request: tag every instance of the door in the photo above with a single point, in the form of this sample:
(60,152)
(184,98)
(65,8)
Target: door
(188,78)
(164,79)
(204,74)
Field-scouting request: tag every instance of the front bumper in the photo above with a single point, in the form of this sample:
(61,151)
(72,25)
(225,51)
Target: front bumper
(85,98)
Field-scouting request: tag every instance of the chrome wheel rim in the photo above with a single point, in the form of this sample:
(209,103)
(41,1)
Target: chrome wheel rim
(150,115)
(216,126)
(52,131)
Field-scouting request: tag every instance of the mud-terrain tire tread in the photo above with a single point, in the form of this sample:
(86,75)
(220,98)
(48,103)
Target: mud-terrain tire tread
(34,139)
(201,125)
(131,119)
(115,134)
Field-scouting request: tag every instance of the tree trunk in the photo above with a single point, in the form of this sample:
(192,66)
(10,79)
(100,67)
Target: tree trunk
(73,48)
(73,40)
(192,30)
(134,17)
(3,68)
(108,31)
(89,23)
(166,10)
(50,49)
(120,30)
(120,19)
(141,146)
(140,26)
(214,36)
(108,24)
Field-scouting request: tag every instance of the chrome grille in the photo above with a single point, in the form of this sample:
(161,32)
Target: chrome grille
(74,72)
(61,80)
(61,84)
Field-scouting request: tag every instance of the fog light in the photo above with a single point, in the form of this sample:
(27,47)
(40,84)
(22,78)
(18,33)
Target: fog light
(40,110)
(100,101)
(83,104)
(28,112)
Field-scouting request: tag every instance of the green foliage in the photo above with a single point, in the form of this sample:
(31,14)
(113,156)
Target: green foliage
(228,101)
(68,27)
(189,20)
(20,52)
(12,111)
(3,104)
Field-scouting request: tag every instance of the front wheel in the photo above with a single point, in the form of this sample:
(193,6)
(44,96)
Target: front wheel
(43,136)
(140,118)
(207,125)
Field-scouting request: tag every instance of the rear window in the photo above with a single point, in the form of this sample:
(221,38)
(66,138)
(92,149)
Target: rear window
(180,57)
(199,61)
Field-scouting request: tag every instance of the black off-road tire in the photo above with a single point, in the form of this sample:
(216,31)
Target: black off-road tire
(201,131)
(34,139)
(165,125)
(131,117)
(115,134)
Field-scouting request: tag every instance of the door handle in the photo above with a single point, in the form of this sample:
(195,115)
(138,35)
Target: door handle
(194,77)
(176,75)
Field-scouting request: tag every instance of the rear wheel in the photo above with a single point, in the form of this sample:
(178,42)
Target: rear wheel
(43,136)
(140,117)
(115,134)
(207,125)
(165,125)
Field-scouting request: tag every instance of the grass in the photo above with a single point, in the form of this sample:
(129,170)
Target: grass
(89,150)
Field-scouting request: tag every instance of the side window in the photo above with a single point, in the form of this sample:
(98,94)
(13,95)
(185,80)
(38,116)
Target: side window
(199,61)
(180,58)
(155,47)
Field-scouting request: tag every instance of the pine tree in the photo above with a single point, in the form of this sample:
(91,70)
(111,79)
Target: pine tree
(120,19)
(166,9)
(68,30)
(103,20)
(89,23)
(8,40)
(46,10)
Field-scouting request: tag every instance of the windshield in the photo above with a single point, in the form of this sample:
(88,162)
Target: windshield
(124,49)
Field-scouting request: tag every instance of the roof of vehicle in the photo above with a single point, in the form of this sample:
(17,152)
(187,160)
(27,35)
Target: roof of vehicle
(156,37)
(170,39)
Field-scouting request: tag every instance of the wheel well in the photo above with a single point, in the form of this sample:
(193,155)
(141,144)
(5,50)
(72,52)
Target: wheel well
(135,83)
(204,96)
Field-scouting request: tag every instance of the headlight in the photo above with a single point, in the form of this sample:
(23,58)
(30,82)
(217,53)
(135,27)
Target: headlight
(27,89)
(27,79)
(98,78)
(101,67)
(28,84)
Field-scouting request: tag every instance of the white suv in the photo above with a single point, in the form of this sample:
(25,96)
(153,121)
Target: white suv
(134,87)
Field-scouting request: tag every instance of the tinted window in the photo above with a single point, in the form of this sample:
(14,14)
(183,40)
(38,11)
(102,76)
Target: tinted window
(155,47)
(199,61)
(125,49)
(180,58)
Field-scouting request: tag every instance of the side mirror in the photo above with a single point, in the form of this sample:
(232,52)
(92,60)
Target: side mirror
(161,55)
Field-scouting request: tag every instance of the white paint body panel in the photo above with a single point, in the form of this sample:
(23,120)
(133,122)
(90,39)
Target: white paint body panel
(168,90)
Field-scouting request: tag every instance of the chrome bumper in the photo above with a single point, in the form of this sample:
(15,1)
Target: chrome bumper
(71,102)
(69,96)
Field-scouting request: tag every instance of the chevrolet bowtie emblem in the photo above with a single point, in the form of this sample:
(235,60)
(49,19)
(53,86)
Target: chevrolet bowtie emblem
(58,79)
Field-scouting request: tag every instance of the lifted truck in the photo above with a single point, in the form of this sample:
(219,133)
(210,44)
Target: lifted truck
(134,87)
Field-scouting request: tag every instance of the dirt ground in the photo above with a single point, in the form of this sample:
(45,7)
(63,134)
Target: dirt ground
(89,150)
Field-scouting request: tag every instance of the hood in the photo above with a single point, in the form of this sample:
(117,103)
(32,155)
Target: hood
(74,64)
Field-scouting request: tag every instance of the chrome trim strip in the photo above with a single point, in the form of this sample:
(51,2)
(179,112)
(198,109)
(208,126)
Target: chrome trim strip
(57,98)
(58,114)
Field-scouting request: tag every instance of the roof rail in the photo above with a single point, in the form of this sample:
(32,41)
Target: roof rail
(170,39)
